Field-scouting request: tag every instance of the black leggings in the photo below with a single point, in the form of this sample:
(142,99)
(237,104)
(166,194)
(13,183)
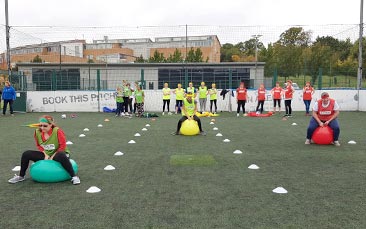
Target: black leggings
(241,103)
(288,107)
(184,118)
(260,103)
(32,155)
(213,101)
(127,103)
(166,101)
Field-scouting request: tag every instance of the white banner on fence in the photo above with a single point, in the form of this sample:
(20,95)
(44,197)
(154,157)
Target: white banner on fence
(87,101)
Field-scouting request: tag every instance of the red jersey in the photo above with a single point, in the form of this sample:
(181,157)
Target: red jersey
(307,93)
(325,113)
(277,91)
(241,93)
(261,94)
(288,92)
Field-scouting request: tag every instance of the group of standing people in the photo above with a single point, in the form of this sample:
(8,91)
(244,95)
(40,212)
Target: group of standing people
(202,92)
(124,99)
(278,93)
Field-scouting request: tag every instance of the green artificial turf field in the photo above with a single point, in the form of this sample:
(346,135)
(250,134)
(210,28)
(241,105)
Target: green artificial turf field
(166,181)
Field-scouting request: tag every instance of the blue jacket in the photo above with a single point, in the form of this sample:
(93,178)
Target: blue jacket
(9,93)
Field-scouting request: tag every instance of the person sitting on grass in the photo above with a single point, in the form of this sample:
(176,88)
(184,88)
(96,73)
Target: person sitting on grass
(325,113)
(189,110)
(51,144)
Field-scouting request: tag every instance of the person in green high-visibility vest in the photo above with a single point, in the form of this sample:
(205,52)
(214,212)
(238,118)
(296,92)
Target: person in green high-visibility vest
(166,98)
(139,99)
(51,144)
(119,101)
(127,97)
(189,110)
(202,92)
(179,96)
(213,97)
(191,89)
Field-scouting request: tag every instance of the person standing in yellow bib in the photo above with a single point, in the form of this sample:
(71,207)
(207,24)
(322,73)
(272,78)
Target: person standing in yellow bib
(213,97)
(179,96)
(202,92)
(166,98)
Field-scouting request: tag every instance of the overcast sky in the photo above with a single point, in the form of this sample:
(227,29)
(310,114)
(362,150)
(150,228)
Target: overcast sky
(103,13)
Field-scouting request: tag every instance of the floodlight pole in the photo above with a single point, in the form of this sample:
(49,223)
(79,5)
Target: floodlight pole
(256,53)
(360,39)
(7,29)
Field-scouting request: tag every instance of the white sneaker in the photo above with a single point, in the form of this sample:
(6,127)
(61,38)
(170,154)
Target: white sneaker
(122,114)
(75,180)
(237,115)
(307,142)
(336,143)
(169,113)
(16,179)
(162,113)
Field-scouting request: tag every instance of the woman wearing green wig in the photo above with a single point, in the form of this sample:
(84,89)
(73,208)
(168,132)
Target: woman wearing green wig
(51,144)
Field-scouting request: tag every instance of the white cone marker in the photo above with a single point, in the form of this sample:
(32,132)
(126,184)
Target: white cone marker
(144,129)
(226,140)
(237,152)
(219,135)
(280,190)
(131,142)
(86,129)
(294,124)
(253,166)
(82,135)
(211,123)
(215,128)
(352,142)
(109,167)
(118,153)
(93,189)
(147,125)
(16,169)
(137,135)
(69,143)
(100,125)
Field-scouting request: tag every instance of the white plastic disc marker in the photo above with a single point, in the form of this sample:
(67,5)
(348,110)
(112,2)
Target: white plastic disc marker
(109,167)
(93,189)
(16,169)
(253,166)
(280,190)
(118,153)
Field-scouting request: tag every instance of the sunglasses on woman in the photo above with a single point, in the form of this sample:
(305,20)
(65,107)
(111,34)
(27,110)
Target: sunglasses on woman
(43,125)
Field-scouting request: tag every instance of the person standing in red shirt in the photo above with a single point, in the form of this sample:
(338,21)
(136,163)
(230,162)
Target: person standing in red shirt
(261,97)
(308,91)
(289,91)
(277,92)
(241,98)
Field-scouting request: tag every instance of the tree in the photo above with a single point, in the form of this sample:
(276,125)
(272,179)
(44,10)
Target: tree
(195,55)
(177,57)
(295,36)
(157,57)
(37,59)
(140,59)
(228,51)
